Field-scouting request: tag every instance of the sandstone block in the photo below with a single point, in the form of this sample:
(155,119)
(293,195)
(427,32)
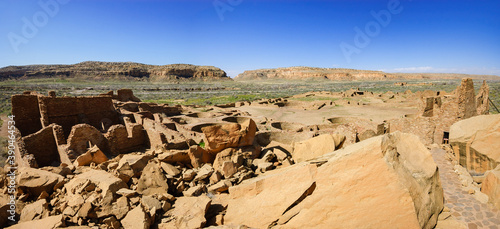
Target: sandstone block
(315,147)
(491,186)
(136,219)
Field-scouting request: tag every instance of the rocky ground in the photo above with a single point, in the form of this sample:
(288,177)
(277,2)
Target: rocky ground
(351,159)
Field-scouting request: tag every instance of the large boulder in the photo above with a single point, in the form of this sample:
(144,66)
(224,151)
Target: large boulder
(386,181)
(220,137)
(93,155)
(188,212)
(51,222)
(108,183)
(475,142)
(260,201)
(199,156)
(136,161)
(35,181)
(317,146)
(36,210)
(152,180)
(136,219)
(491,186)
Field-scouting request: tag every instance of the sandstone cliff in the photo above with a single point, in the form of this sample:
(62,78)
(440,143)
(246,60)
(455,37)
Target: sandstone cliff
(114,69)
(346,74)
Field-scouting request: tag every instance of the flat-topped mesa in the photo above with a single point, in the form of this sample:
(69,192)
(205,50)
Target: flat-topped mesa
(311,72)
(115,69)
(345,74)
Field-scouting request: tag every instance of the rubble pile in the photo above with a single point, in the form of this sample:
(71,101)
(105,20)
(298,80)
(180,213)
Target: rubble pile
(112,161)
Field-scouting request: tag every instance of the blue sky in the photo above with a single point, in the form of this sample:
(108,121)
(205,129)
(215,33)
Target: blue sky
(460,36)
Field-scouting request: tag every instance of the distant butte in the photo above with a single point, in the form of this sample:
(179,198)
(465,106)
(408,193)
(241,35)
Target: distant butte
(95,69)
(294,73)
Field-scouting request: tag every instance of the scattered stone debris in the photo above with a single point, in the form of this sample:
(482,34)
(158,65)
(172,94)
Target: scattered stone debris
(112,161)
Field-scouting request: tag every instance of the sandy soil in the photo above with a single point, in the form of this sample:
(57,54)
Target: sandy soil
(377,113)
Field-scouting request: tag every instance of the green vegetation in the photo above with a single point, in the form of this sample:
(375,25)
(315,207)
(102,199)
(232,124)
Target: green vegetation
(207,100)
(495,97)
(3,147)
(315,98)
(3,150)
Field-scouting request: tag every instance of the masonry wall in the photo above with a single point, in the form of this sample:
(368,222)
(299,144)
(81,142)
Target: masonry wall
(27,114)
(42,146)
(69,111)
(155,108)
(123,140)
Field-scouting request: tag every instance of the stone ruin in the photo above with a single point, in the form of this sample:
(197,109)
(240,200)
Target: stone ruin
(439,110)
(57,130)
(112,161)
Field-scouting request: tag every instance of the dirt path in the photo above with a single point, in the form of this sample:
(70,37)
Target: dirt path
(461,204)
(4,129)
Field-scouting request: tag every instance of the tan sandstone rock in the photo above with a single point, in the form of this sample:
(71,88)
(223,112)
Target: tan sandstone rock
(220,137)
(466,99)
(199,156)
(491,186)
(388,180)
(136,219)
(152,180)
(315,147)
(93,155)
(169,169)
(108,183)
(188,212)
(136,161)
(482,103)
(51,222)
(260,201)
(475,142)
(36,181)
(35,210)
(379,175)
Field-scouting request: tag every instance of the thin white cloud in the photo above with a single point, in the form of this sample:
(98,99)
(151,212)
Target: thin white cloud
(414,69)
(479,71)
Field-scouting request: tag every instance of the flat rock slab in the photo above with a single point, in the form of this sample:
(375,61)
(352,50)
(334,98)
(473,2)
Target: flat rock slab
(371,184)
(258,202)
